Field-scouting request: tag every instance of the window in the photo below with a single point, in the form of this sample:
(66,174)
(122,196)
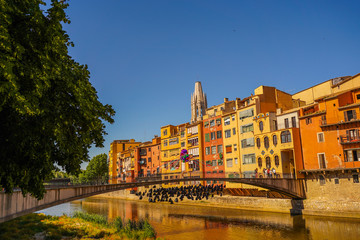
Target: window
(228,149)
(149,149)
(235,147)
(227,133)
(350,115)
(247,128)
(165,132)
(277,162)
(215,171)
(308,121)
(218,121)
(234,131)
(218,133)
(285,136)
(213,136)
(226,121)
(336,180)
(266,142)
(182,144)
(229,162)
(320,137)
(236,161)
(182,134)
(261,126)
(233,117)
(214,163)
(322,162)
(258,143)
(207,150)
(213,150)
(173,141)
(358,96)
(219,148)
(165,143)
(193,141)
(207,137)
(249,159)
(260,162)
(293,122)
(286,122)
(274,137)
(206,124)
(246,113)
(149,159)
(275,125)
(220,162)
(248,142)
(212,123)
(268,162)
(194,152)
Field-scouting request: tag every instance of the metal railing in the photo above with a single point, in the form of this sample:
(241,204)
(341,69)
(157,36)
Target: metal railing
(344,139)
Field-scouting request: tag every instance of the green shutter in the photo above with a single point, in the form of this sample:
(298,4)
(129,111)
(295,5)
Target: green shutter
(207,138)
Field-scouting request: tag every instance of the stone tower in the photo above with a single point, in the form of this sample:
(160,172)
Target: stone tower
(198,103)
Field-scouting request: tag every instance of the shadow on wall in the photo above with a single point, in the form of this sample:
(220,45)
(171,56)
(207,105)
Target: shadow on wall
(297,206)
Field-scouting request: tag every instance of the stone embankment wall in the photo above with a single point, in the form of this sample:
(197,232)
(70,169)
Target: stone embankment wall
(340,199)
(330,198)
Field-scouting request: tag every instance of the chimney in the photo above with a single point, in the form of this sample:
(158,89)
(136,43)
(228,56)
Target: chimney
(226,99)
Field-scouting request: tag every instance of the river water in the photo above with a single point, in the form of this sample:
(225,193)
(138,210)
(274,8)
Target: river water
(201,222)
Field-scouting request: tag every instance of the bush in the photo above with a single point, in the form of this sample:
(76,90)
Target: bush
(94,218)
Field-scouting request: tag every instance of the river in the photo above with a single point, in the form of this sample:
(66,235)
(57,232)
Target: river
(197,222)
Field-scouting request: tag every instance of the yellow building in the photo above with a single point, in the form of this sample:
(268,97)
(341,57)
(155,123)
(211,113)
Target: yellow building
(247,108)
(194,145)
(116,147)
(231,147)
(265,99)
(329,87)
(277,144)
(171,138)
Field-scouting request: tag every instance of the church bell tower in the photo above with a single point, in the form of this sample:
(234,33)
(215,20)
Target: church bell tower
(198,103)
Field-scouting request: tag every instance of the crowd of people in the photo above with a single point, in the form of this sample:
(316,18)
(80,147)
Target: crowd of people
(267,173)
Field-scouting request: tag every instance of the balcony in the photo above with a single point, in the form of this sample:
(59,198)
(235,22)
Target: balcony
(348,120)
(348,139)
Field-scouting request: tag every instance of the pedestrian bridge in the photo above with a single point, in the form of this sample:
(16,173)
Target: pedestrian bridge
(15,205)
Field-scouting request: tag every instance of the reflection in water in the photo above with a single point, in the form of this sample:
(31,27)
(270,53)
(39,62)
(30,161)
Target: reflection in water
(190,222)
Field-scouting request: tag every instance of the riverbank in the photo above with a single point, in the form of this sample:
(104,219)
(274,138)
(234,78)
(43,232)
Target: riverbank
(80,226)
(334,206)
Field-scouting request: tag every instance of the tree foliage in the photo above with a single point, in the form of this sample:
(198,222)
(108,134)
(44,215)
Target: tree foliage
(50,114)
(98,169)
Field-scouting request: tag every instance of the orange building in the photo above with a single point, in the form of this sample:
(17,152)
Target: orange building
(330,133)
(116,147)
(147,159)
(213,140)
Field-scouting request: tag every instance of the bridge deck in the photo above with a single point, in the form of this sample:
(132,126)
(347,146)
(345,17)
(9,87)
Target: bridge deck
(15,205)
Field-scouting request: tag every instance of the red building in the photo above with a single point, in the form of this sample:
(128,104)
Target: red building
(213,144)
(148,160)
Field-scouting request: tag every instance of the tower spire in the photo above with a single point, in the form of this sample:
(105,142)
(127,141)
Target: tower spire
(198,103)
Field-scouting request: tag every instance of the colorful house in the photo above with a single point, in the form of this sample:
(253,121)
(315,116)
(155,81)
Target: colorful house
(213,140)
(170,152)
(330,136)
(118,146)
(193,142)
(231,147)
(147,160)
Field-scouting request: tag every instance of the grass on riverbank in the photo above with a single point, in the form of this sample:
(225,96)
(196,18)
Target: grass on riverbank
(80,226)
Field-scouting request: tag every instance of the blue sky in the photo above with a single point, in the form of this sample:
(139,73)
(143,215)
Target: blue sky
(145,56)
